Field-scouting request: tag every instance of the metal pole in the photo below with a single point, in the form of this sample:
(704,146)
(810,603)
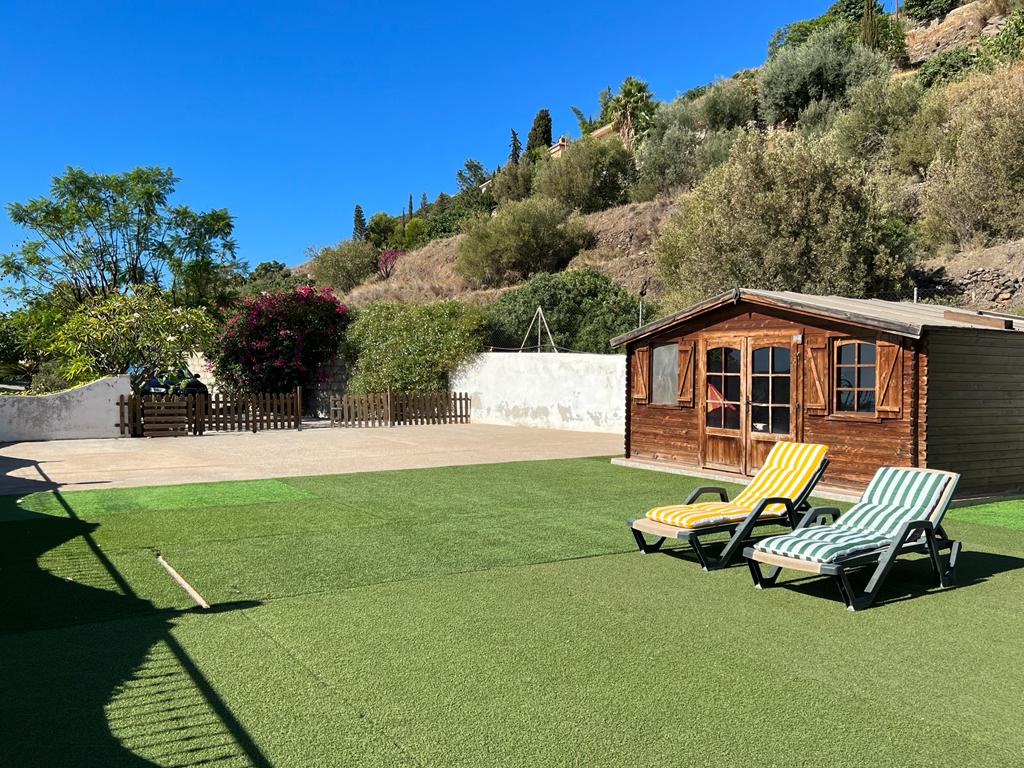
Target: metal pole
(915,294)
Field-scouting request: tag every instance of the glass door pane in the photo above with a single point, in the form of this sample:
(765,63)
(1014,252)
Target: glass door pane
(770,390)
(724,387)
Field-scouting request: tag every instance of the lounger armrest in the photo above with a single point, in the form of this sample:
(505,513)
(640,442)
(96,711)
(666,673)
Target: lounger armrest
(765,503)
(698,492)
(911,527)
(817,515)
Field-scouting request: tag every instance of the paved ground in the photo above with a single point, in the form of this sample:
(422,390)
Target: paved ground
(79,464)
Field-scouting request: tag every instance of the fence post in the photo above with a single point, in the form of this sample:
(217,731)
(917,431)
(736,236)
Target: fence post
(298,407)
(388,413)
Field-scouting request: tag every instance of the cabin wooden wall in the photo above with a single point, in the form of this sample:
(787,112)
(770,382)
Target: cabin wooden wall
(975,408)
(858,446)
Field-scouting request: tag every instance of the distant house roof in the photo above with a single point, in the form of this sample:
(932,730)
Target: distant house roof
(898,317)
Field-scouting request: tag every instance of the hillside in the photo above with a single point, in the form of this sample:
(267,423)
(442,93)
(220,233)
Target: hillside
(895,149)
(623,250)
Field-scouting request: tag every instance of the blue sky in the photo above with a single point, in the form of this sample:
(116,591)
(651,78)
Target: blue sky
(289,113)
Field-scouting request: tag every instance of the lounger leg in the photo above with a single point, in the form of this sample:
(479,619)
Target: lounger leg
(760,579)
(885,563)
(845,590)
(735,544)
(698,549)
(641,542)
(948,578)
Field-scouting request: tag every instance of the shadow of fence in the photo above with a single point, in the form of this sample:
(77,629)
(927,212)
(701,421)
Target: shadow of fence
(93,674)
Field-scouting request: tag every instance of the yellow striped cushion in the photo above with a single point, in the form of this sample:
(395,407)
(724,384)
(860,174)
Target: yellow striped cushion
(699,515)
(786,472)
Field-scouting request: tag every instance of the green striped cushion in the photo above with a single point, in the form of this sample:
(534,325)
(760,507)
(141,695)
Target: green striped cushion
(823,544)
(893,497)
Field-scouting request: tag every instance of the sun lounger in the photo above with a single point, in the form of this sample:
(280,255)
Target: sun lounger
(900,512)
(776,496)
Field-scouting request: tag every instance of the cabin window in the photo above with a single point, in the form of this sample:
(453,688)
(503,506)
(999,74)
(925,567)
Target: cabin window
(854,366)
(665,374)
(722,371)
(769,390)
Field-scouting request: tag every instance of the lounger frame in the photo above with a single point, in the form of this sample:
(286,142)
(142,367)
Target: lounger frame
(926,537)
(740,531)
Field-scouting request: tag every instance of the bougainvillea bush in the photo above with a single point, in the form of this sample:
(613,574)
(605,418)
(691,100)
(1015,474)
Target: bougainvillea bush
(278,341)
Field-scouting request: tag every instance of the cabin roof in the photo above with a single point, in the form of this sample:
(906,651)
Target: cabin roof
(902,318)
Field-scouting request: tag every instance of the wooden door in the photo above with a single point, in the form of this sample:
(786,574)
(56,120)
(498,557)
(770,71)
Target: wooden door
(722,386)
(772,384)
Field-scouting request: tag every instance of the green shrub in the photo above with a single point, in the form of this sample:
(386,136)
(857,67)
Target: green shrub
(411,348)
(879,108)
(784,213)
(590,175)
(414,234)
(818,117)
(520,240)
(714,150)
(666,159)
(892,41)
(926,10)
(975,188)
(915,145)
(449,214)
(729,104)
(52,376)
(584,309)
(824,68)
(950,65)
(514,182)
(1008,45)
(345,265)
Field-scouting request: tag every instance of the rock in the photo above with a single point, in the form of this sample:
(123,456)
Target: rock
(961,26)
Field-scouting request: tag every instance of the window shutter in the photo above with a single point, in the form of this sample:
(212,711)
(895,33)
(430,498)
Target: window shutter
(684,394)
(816,370)
(889,381)
(640,377)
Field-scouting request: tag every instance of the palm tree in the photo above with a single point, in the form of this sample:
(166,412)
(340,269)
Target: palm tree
(631,110)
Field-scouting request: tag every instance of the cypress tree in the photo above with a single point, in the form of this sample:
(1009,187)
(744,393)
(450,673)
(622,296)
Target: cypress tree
(410,205)
(869,25)
(515,148)
(539,138)
(423,201)
(358,223)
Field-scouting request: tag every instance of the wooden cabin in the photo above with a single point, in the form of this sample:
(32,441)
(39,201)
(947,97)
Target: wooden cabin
(712,387)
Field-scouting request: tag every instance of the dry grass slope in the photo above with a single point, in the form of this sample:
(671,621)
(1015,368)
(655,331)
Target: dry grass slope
(624,251)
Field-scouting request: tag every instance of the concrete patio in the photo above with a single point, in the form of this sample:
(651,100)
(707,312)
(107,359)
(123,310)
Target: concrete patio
(121,463)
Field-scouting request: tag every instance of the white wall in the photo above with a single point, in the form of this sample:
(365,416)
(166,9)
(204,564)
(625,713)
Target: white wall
(86,411)
(547,389)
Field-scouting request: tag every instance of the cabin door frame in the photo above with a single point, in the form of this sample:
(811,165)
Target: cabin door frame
(722,391)
(736,443)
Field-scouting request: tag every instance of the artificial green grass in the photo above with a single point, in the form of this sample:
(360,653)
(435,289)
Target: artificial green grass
(1002,514)
(483,615)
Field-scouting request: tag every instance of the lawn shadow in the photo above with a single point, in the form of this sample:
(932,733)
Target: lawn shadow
(94,676)
(910,578)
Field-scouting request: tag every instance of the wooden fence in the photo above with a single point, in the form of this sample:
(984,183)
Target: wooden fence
(177,415)
(391,409)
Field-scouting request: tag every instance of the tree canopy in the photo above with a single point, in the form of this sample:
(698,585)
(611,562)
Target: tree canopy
(98,234)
